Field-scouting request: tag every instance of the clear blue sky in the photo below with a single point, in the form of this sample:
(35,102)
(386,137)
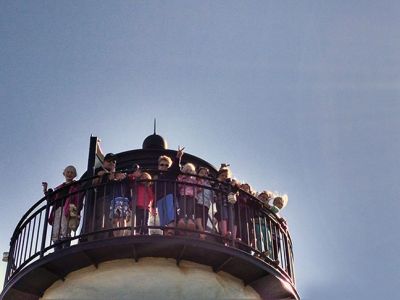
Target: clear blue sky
(300,97)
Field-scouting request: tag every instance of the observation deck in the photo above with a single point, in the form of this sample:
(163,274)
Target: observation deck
(260,256)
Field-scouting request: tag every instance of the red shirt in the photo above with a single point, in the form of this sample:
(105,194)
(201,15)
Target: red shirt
(144,195)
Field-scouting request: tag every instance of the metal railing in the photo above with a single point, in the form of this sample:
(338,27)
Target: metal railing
(199,209)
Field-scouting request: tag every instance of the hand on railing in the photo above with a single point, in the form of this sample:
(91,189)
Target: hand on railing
(283,223)
(112,176)
(119,176)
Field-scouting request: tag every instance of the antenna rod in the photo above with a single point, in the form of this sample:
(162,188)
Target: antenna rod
(155,125)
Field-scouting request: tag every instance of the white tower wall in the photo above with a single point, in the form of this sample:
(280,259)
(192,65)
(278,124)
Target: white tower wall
(149,278)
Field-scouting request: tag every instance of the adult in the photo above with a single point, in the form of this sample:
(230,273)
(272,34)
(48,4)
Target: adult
(108,187)
(166,189)
(65,208)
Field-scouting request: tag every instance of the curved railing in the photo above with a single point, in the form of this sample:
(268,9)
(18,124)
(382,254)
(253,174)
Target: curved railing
(251,227)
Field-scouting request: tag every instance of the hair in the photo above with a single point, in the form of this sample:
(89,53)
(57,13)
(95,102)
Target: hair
(70,168)
(250,188)
(284,199)
(203,168)
(225,169)
(236,182)
(268,194)
(145,174)
(189,168)
(166,158)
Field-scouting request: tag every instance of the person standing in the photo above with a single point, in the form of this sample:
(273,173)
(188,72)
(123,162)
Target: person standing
(165,188)
(109,186)
(63,199)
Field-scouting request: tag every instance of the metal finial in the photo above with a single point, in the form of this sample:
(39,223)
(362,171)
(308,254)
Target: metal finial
(155,125)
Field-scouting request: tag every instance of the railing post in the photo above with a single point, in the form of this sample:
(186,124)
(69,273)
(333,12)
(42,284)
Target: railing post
(89,212)
(287,254)
(134,211)
(85,218)
(231,216)
(44,234)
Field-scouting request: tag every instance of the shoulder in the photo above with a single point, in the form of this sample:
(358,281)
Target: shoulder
(99,169)
(60,186)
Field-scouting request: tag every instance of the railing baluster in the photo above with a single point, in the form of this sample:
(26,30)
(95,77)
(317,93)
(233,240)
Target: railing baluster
(280,246)
(239,220)
(27,240)
(270,238)
(38,230)
(11,260)
(175,201)
(292,262)
(265,233)
(33,235)
(16,250)
(94,212)
(287,260)
(44,234)
(247,225)
(254,234)
(23,244)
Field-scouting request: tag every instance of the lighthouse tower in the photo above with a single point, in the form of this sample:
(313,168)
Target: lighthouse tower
(104,259)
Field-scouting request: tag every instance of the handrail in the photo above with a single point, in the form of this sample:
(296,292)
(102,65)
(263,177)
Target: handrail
(252,227)
(44,198)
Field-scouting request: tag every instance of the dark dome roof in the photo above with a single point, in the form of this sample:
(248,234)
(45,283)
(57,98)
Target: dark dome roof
(154,141)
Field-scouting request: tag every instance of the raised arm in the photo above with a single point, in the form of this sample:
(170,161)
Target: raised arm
(176,164)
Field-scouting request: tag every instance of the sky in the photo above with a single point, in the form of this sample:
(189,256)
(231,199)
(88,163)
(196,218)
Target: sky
(300,97)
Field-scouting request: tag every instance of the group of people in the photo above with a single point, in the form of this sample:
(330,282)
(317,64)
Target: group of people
(176,198)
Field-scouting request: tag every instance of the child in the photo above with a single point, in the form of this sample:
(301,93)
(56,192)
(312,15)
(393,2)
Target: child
(263,232)
(223,185)
(265,197)
(278,203)
(204,199)
(120,212)
(142,200)
(111,206)
(120,215)
(187,193)
(65,207)
(243,213)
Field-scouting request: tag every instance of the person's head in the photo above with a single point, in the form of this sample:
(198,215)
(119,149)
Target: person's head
(203,172)
(265,196)
(69,173)
(280,201)
(246,187)
(224,173)
(235,182)
(109,162)
(145,176)
(189,168)
(164,162)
